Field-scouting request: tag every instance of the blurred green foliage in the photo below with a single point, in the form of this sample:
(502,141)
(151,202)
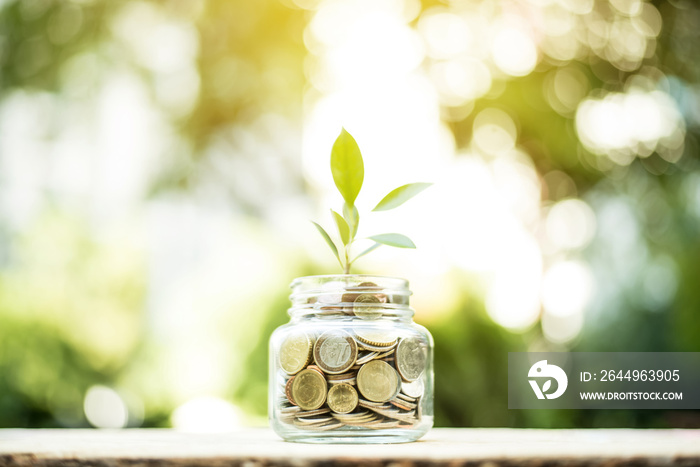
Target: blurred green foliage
(72,307)
(70,310)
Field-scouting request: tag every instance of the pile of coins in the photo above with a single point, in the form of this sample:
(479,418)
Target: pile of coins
(361,377)
(364,301)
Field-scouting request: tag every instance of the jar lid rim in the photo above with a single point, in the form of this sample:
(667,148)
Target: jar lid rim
(300,279)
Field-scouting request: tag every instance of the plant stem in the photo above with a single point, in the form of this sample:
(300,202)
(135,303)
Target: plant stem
(347,260)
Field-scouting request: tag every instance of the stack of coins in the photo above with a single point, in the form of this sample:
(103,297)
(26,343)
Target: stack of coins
(358,376)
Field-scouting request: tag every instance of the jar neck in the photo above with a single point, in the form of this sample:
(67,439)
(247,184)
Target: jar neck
(350,296)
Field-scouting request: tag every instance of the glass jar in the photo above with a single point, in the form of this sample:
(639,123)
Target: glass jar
(351,366)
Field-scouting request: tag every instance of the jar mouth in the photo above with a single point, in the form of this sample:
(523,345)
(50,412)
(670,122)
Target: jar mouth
(350,295)
(389,281)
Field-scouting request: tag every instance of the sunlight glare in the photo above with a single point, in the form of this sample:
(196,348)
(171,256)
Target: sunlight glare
(567,288)
(562,329)
(446,34)
(494,131)
(514,52)
(206,415)
(620,122)
(104,408)
(570,224)
(513,297)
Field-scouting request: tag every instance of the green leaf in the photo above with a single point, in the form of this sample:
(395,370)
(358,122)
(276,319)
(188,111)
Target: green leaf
(347,167)
(343,228)
(352,216)
(328,240)
(368,250)
(393,239)
(400,195)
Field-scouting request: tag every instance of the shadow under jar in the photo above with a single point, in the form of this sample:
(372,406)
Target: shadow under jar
(351,366)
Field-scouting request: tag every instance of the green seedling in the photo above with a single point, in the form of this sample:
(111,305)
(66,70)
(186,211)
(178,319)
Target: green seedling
(348,172)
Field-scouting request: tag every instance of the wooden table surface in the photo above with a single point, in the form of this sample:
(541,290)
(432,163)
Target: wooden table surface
(261,447)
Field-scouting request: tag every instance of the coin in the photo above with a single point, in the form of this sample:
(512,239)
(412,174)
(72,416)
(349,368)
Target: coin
(402,404)
(367,306)
(311,413)
(315,368)
(365,419)
(349,378)
(316,420)
(309,389)
(335,351)
(349,298)
(359,415)
(295,352)
(413,389)
(351,382)
(290,410)
(366,357)
(410,358)
(375,348)
(375,337)
(324,427)
(386,355)
(329,313)
(288,390)
(378,381)
(392,412)
(384,424)
(342,398)
(355,291)
(327,305)
(371,286)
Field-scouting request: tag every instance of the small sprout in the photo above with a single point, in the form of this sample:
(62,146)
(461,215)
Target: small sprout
(330,243)
(348,171)
(343,228)
(347,167)
(400,195)
(393,239)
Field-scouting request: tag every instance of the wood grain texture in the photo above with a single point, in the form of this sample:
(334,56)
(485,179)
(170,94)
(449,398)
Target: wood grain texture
(261,447)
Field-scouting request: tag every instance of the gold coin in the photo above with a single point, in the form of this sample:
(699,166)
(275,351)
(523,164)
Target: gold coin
(342,398)
(375,337)
(378,381)
(335,351)
(375,348)
(353,292)
(309,389)
(367,306)
(350,377)
(410,359)
(295,352)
